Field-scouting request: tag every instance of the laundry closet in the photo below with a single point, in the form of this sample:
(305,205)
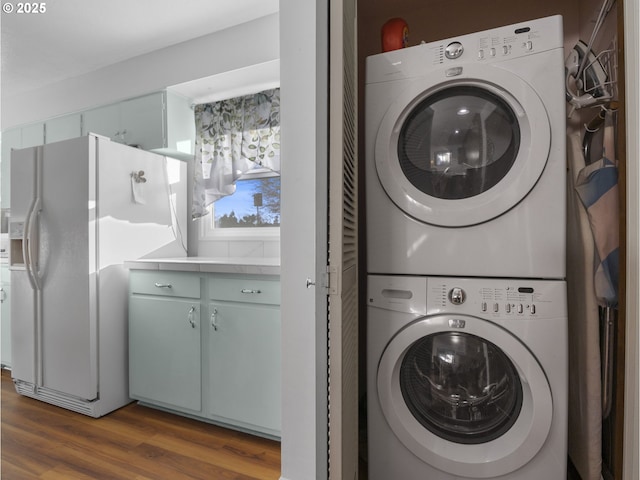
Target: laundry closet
(592,33)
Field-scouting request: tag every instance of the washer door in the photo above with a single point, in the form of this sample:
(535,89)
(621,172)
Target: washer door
(461,152)
(465,396)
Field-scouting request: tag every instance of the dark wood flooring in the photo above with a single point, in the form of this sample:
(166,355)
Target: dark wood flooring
(41,441)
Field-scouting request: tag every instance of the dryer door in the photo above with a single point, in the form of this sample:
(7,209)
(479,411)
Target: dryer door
(461,152)
(465,395)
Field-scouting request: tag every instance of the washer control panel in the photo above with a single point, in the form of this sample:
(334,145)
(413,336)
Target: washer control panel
(516,300)
(503,298)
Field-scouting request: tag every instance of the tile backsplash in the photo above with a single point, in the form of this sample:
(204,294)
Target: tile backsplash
(239,248)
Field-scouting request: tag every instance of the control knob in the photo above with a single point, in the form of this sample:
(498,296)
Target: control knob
(457,296)
(453,50)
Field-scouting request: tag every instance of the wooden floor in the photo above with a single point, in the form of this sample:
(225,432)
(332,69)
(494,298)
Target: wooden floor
(40,441)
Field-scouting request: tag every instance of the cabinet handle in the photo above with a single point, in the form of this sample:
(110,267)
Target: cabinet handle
(164,285)
(247,290)
(190,317)
(213,319)
(3,295)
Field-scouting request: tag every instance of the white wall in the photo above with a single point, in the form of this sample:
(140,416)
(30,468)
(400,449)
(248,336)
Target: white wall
(251,43)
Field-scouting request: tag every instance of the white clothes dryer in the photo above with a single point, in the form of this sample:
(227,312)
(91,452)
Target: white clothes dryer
(465,155)
(466,378)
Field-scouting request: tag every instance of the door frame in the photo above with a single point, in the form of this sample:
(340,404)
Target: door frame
(304,43)
(631,444)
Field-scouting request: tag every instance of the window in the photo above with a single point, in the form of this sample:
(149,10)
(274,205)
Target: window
(235,138)
(252,210)
(255,203)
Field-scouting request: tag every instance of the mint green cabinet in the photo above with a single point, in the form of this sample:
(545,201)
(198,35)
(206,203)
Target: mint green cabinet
(165,340)
(32,135)
(165,357)
(63,128)
(160,121)
(137,122)
(5,316)
(244,365)
(207,346)
(104,121)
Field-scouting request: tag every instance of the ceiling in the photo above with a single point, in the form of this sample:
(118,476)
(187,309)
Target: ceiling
(75,37)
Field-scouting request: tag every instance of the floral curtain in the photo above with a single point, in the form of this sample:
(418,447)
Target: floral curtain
(233,137)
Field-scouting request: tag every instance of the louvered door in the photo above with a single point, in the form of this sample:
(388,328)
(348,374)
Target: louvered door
(343,238)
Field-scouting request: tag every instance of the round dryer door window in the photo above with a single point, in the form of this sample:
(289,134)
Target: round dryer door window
(458,143)
(465,395)
(462,152)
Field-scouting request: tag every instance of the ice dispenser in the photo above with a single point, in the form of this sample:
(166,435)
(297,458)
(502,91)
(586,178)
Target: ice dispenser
(18,245)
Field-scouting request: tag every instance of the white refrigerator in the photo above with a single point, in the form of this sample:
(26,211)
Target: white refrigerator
(79,209)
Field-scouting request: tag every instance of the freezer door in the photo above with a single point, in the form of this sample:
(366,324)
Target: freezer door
(67,268)
(23,301)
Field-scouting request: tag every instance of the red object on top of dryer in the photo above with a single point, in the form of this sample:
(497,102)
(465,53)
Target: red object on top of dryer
(395,34)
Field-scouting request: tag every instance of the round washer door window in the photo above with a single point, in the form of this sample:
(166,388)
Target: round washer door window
(461,152)
(469,399)
(461,387)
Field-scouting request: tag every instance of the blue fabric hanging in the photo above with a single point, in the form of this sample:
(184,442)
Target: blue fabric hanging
(597,188)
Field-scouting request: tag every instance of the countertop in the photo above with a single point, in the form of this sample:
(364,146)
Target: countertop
(248,266)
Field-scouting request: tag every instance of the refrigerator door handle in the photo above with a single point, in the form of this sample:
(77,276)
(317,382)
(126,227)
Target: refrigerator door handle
(32,240)
(26,236)
(30,237)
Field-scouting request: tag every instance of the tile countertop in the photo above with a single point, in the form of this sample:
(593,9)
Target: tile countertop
(248,266)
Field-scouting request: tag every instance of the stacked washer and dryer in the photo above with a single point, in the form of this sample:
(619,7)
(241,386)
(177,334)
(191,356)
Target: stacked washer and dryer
(467,310)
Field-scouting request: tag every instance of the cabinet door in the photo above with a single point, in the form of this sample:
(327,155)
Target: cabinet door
(5,318)
(63,128)
(244,365)
(32,135)
(181,124)
(142,120)
(103,121)
(164,352)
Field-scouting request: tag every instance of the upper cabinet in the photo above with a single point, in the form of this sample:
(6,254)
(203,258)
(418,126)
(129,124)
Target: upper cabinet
(137,122)
(63,128)
(103,121)
(161,122)
(32,135)
(143,120)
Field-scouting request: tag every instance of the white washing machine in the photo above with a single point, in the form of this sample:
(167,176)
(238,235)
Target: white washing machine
(465,155)
(467,378)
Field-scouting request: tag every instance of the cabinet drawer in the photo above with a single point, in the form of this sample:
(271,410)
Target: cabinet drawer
(246,290)
(167,284)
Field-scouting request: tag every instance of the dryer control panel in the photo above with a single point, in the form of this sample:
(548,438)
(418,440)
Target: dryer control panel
(503,298)
(495,45)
